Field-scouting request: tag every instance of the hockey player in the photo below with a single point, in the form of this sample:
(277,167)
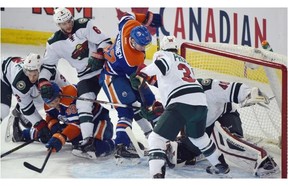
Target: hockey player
(123,58)
(63,121)
(220,96)
(182,95)
(20,77)
(81,43)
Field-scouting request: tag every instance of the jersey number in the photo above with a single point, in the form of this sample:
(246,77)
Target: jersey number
(186,74)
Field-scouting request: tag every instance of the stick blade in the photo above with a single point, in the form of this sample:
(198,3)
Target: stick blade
(32,167)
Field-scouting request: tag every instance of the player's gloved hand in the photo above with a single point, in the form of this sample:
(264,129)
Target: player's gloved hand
(135,81)
(137,77)
(153,20)
(54,126)
(56,142)
(151,114)
(96,61)
(46,89)
(43,134)
(42,82)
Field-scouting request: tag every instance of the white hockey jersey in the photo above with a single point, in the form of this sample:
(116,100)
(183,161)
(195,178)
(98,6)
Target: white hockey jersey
(25,91)
(219,93)
(176,80)
(75,48)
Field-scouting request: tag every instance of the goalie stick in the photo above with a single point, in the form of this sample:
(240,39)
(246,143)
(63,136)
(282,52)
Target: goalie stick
(100,102)
(134,142)
(36,169)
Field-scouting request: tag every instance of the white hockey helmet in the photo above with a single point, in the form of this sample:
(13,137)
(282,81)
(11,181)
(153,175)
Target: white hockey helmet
(62,15)
(169,42)
(32,62)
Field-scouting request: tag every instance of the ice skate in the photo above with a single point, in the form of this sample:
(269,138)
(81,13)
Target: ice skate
(86,149)
(162,174)
(125,152)
(267,168)
(25,123)
(17,131)
(220,168)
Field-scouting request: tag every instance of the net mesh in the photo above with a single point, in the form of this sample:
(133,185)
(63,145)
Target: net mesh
(254,67)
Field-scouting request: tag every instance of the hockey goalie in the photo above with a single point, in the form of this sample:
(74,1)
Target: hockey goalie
(224,126)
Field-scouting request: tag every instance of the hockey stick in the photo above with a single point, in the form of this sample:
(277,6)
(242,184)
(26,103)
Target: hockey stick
(36,169)
(157,39)
(17,148)
(100,102)
(134,142)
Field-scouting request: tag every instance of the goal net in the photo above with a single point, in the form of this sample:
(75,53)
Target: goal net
(256,68)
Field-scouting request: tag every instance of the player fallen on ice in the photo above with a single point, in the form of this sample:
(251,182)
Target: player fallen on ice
(19,77)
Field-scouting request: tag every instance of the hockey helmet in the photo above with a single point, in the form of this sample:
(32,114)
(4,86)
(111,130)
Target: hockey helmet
(169,42)
(141,35)
(49,92)
(32,62)
(62,15)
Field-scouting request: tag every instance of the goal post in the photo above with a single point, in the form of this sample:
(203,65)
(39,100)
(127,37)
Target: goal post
(254,67)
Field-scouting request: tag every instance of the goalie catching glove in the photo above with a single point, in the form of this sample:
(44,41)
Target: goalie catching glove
(255,97)
(96,60)
(151,114)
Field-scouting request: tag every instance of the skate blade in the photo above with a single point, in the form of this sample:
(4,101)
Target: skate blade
(86,155)
(127,161)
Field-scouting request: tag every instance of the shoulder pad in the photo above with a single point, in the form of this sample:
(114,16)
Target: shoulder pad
(57,36)
(80,23)
(22,82)
(206,83)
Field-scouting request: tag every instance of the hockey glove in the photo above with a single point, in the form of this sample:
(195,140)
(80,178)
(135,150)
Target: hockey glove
(43,134)
(96,61)
(151,114)
(54,126)
(46,89)
(56,142)
(135,81)
(137,77)
(153,20)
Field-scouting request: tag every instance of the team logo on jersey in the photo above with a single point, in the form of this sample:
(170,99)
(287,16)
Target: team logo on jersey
(21,85)
(81,51)
(124,94)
